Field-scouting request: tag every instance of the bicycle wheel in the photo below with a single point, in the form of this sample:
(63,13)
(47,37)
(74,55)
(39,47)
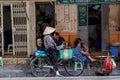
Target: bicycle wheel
(39,67)
(70,68)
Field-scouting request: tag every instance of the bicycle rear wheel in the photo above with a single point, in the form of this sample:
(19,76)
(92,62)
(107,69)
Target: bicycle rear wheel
(38,68)
(70,68)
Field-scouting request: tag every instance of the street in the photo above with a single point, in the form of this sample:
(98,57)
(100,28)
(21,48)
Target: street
(66,78)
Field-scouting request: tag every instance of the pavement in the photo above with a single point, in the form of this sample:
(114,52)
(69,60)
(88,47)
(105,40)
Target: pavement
(23,71)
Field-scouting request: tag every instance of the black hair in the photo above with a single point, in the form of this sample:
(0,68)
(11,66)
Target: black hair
(56,33)
(40,37)
(52,33)
(77,41)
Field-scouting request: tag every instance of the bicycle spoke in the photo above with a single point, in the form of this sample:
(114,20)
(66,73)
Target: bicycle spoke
(38,68)
(71,70)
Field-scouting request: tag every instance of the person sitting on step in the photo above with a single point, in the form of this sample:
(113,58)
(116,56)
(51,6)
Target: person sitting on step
(81,54)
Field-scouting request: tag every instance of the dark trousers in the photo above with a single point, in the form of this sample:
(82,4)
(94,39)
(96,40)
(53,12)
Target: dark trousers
(53,55)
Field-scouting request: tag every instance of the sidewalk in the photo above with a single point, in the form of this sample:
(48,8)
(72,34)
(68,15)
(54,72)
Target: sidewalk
(19,70)
(23,70)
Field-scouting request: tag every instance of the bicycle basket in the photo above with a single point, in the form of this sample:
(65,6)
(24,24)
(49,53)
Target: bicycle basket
(40,53)
(66,54)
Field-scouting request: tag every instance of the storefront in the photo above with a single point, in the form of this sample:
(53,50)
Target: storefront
(97,22)
(27,19)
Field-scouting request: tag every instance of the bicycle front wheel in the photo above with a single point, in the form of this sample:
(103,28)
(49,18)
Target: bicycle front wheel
(73,68)
(37,67)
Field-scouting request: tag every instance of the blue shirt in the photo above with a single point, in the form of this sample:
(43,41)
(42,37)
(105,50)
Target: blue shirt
(59,41)
(79,55)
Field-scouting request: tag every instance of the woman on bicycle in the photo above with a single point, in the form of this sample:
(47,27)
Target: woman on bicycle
(81,54)
(50,46)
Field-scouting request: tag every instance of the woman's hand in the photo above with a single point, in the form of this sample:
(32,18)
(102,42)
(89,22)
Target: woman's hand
(84,52)
(86,47)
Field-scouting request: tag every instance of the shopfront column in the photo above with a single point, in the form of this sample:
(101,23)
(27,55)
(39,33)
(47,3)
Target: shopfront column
(105,26)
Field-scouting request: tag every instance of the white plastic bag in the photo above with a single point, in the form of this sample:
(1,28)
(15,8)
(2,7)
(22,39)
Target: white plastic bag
(113,61)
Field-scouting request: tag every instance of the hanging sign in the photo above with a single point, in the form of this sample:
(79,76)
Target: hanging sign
(82,14)
(86,1)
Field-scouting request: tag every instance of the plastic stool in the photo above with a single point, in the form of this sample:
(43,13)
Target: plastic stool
(78,65)
(1,61)
(10,47)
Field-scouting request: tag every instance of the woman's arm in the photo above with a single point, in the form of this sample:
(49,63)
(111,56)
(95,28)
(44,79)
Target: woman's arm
(86,47)
(84,52)
(35,49)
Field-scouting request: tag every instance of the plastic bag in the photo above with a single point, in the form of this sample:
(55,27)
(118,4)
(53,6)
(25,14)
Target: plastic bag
(108,64)
(113,62)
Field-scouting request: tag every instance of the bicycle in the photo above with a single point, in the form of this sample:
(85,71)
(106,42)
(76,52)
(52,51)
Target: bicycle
(41,65)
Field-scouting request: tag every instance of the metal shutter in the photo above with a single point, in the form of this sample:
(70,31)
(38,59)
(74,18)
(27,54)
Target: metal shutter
(19,28)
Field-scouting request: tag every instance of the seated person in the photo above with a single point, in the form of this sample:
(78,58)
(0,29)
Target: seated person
(39,46)
(60,42)
(83,45)
(81,54)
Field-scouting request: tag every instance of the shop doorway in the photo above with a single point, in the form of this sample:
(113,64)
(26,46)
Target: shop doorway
(94,27)
(45,16)
(7,27)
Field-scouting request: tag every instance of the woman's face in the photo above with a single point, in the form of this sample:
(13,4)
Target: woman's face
(39,42)
(55,36)
(79,44)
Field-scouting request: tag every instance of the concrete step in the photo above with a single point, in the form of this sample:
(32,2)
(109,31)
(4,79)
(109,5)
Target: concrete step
(8,53)
(16,60)
(15,73)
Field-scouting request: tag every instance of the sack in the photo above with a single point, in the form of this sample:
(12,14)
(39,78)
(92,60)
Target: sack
(113,62)
(101,72)
(40,53)
(108,64)
(66,54)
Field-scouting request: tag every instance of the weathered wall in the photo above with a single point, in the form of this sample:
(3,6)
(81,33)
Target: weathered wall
(31,27)
(66,18)
(114,23)
(105,27)
(114,16)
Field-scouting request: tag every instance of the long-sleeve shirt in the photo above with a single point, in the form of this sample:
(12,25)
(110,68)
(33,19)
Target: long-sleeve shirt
(49,42)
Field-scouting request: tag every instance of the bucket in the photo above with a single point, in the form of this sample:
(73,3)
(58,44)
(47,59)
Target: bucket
(114,51)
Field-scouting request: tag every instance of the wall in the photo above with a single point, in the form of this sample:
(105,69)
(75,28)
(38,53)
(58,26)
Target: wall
(114,23)
(66,19)
(114,17)
(31,27)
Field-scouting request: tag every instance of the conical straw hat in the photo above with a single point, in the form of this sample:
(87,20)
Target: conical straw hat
(48,30)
